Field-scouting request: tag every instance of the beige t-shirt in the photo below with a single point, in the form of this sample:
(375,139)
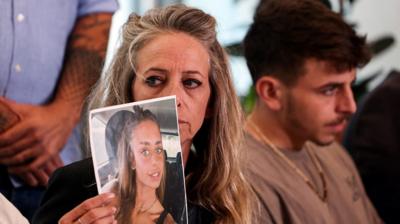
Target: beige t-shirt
(284,197)
(10,214)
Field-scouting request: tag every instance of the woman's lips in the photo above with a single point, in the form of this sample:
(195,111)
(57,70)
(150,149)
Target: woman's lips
(154,173)
(180,121)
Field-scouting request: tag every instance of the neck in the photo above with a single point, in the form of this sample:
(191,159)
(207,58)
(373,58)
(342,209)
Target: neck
(145,195)
(271,126)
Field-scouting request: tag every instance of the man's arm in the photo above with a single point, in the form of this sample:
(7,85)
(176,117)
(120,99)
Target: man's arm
(32,146)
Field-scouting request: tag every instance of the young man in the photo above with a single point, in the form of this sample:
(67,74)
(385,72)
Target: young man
(303,60)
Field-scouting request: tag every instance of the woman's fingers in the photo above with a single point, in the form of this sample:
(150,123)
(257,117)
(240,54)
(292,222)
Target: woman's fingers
(91,210)
(99,215)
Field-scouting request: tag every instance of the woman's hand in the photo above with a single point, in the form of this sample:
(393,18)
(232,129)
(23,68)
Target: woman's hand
(99,209)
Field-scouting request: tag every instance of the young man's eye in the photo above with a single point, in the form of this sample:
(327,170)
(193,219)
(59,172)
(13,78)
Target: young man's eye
(191,83)
(153,80)
(329,91)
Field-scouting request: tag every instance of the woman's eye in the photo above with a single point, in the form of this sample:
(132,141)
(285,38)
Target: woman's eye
(145,153)
(159,150)
(191,83)
(153,80)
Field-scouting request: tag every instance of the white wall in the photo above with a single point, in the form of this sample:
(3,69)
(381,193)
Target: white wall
(376,18)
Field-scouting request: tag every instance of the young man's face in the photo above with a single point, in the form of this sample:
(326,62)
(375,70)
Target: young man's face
(317,106)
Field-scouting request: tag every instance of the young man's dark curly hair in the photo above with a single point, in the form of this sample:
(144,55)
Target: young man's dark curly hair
(285,33)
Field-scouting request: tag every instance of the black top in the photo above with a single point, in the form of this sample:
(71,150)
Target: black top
(373,139)
(71,185)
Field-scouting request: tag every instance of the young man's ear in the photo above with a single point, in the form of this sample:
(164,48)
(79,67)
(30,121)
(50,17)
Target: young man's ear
(269,91)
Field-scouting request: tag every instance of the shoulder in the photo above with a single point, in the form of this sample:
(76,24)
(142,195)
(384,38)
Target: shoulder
(165,217)
(95,6)
(374,128)
(262,167)
(392,80)
(68,187)
(378,109)
(199,214)
(334,156)
(83,167)
(383,95)
(257,159)
(168,219)
(267,178)
(9,213)
(253,151)
(334,150)
(79,173)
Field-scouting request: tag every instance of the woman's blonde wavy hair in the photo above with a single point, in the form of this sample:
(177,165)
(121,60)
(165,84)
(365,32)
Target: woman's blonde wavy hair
(215,180)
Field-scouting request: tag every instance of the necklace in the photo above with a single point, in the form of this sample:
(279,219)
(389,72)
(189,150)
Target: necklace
(151,205)
(314,159)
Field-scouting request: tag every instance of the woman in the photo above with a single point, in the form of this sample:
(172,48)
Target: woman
(172,51)
(141,170)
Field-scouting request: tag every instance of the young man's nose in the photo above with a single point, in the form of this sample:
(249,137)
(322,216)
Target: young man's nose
(346,102)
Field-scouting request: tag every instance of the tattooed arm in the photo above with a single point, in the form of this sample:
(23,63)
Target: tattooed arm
(30,149)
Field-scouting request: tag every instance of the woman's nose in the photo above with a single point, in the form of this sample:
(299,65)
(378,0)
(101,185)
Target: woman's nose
(155,158)
(177,90)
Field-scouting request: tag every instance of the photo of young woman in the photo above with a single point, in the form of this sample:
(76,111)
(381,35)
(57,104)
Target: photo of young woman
(136,154)
(141,170)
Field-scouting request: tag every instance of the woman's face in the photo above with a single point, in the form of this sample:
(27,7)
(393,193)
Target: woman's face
(148,159)
(176,64)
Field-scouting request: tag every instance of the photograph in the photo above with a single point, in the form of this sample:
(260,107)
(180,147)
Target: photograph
(136,154)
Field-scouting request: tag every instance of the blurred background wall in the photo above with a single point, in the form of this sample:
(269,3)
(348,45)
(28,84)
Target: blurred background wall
(379,20)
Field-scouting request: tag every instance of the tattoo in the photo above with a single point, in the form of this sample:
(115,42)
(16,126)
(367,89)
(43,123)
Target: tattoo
(84,57)
(91,33)
(83,70)
(7,117)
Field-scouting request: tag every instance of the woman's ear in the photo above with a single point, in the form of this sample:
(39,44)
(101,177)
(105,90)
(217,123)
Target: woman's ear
(270,91)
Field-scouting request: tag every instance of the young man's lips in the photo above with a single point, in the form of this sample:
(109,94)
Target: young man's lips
(338,126)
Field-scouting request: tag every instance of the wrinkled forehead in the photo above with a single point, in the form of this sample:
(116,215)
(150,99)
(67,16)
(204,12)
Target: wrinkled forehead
(176,49)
